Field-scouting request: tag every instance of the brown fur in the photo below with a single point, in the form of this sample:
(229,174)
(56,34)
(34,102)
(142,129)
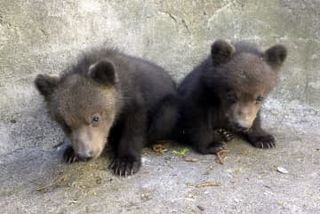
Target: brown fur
(226,91)
(249,77)
(110,97)
(76,100)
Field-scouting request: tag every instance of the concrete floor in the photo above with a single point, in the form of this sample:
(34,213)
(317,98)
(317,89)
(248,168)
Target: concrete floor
(46,36)
(33,178)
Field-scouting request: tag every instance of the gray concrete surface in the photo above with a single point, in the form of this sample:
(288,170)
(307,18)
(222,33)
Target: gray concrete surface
(38,36)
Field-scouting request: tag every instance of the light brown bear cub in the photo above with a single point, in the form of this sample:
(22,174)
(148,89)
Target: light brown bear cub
(111,98)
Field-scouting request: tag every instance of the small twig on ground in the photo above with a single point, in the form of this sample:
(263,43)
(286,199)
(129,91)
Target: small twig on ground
(205,184)
(188,159)
(54,182)
(160,148)
(221,155)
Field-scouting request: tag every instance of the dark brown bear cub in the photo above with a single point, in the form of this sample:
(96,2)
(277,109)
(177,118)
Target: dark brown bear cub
(225,92)
(111,98)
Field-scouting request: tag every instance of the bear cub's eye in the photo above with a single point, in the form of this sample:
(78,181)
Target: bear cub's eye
(259,99)
(95,119)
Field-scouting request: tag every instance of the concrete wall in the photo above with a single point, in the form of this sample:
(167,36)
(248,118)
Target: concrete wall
(43,36)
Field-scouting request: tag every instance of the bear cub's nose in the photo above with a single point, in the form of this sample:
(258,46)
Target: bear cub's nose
(240,127)
(86,156)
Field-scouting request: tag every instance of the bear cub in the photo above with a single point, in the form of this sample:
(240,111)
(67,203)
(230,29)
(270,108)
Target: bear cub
(108,97)
(224,94)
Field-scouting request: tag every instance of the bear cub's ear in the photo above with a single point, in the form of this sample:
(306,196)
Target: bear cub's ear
(275,56)
(221,52)
(46,84)
(103,72)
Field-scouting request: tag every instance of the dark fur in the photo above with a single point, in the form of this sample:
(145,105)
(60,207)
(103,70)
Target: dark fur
(231,74)
(146,102)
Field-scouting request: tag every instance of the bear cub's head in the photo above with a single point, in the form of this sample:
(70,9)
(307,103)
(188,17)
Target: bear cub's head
(84,104)
(240,77)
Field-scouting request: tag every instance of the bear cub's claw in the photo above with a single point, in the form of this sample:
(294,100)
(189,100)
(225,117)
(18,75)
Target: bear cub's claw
(125,166)
(69,156)
(225,134)
(265,141)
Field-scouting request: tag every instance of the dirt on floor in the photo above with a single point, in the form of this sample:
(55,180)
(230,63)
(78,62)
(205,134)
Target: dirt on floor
(176,180)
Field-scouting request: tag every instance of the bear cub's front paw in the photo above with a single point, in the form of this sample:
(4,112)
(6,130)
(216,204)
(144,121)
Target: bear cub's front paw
(69,156)
(263,141)
(125,166)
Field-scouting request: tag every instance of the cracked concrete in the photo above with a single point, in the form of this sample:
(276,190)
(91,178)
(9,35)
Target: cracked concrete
(39,36)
